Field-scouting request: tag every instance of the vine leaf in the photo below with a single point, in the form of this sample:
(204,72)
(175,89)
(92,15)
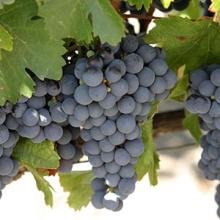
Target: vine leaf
(191,122)
(32,48)
(215,7)
(36,155)
(149,160)
(43,186)
(78,184)
(6,40)
(166,3)
(179,93)
(192,11)
(196,43)
(140,3)
(86,19)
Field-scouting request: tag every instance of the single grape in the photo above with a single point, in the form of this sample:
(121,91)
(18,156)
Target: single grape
(134,63)
(126,105)
(92,147)
(44,117)
(107,157)
(133,83)
(36,102)
(30,117)
(122,157)
(95,110)
(147,53)
(68,106)
(129,43)
(66,151)
(98,93)
(68,84)
(159,85)
(108,102)
(81,95)
(134,147)
(53,132)
(125,124)
(92,76)
(4,134)
(117,138)
(126,186)
(146,77)
(28,132)
(108,128)
(81,113)
(127,171)
(112,180)
(159,66)
(99,172)
(6,166)
(142,95)
(53,88)
(106,146)
(119,88)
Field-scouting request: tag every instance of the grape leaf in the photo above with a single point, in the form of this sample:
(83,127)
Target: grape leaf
(179,93)
(215,7)
(149,160)
(43,186)
(78,184)
(85,19)
(36,155)
(191,122)
(6,40)
(196,43)
(166,3)
(140,3)
(193,11)
(32,48)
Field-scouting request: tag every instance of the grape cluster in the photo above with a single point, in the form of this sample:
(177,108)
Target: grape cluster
(8,139)
(41,117)
(204,100)
(217,199)
(115,94)
(101,99)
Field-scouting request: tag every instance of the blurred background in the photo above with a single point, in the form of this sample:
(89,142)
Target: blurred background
(182,192)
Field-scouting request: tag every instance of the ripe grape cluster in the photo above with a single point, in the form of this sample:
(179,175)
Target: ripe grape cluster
(8,139)
(204,100)
(116,92)
(101,99)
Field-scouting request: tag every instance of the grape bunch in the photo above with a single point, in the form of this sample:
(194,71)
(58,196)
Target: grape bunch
(210,158)
(204,101)
(217,199)
(99,100)
(117,88)
(8,139)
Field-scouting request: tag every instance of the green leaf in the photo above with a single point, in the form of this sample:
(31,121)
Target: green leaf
(140,3)
(78,184)
(196,43)
(179,93)
(43,186)
(85,19)
(191,122)
(166,3)
(32,48)
(6,40)
(149,160)
(215,7)
(193,11)
(40,155)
